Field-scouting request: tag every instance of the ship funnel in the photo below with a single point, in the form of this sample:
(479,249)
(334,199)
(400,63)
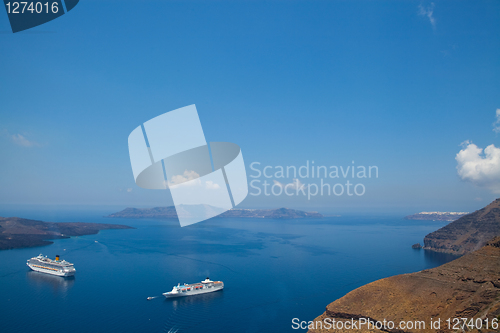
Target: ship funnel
(57,257)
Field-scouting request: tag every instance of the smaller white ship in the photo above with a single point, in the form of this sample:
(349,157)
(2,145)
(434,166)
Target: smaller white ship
(54,267)
(206,286)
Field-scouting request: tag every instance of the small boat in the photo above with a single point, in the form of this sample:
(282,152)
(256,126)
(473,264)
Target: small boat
(150,298)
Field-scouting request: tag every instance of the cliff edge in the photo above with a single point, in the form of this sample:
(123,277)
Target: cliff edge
(468,287)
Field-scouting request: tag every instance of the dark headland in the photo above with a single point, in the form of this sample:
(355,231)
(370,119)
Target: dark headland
(171,213)
(468,233)
(16,232)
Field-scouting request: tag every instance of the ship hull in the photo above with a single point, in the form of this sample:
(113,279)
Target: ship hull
(51,272)
(193,292)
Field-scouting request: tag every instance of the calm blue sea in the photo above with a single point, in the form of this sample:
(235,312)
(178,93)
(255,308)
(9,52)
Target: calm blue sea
(273,271)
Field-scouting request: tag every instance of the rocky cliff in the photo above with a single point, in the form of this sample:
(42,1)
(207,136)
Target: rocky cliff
(468,287)
(468,233)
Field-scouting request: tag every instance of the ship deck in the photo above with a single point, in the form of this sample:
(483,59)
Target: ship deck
(199,284)
(52,262)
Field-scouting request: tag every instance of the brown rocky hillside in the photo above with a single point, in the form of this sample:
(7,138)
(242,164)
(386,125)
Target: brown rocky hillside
(468,287)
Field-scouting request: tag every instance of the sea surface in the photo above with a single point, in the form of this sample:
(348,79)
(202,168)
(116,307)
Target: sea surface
(273,271)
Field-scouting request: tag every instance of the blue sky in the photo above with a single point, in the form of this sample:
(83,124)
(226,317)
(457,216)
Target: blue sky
(396,84)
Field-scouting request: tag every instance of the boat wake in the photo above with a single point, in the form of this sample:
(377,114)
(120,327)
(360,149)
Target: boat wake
(152,297)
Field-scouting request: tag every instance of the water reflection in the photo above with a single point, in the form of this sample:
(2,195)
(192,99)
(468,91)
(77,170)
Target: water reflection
(205,299)
(59,285)
(191,312)
(438,258)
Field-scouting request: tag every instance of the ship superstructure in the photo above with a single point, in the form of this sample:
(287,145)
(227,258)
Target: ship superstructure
(55,267)
(203,287)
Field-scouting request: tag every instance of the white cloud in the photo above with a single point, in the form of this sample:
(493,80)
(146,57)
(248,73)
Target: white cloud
(129,190)
(496,124)
(478,167)
(211,185)
(21,140)
(185,177)
(186,180)
(428,12)
(296,184)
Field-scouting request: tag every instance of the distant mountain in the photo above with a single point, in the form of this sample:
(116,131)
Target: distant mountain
(468,233)
(467,287)
(170,213)
(17,232)
(281,213)
(436,216)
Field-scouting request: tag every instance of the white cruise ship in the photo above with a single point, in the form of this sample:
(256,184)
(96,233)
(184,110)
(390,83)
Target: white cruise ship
(206,286)
(55,267)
